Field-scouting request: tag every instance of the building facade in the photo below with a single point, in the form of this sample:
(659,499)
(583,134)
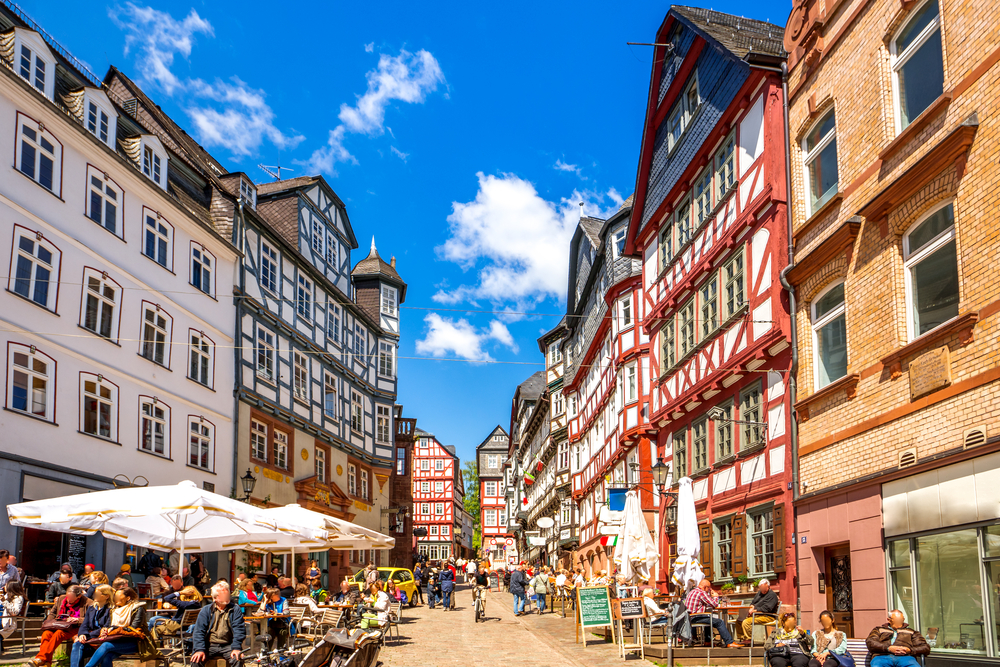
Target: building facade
(534,469)
(710,224)
(894,136)
(435,497)
(401,493)
(117,314)
(491,458)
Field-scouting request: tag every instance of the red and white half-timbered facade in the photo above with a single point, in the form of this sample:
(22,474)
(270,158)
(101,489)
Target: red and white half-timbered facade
(434,470)
(491,456)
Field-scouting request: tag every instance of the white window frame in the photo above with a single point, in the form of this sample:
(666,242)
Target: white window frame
(270,268)
(731,277)
(304,290)
(439,487)
(701,199)
(439,464)
(259,440)
(625,305)
(386,359)
(352,479)
(357,413)
(383,424)
(25,128)
(363,486)
(445,530)
(318,236)
(491,461)
(102,301)
(809,156)
(490,489)
(329,395)
(39,54)
(111,400)
(490,517)
(360,340)
(201,435)
(300,376)
(203,265)
(159,229)
(201,358)
(388,298)
(32,374)
(433,531)
(38,266)
(425,465)
(108,194)
(248,192)
(683,224)
(682,113)
(264,340)
(818,323)
(331,250)
(725,167)
(897,60)
(150,149)
(751,533)
(439,509)
(148,407)
(96,102)
(708,307)
(332,322)
(319,456)
(425,509)
(280,449)
(160,332)
(425,487)
(912,259)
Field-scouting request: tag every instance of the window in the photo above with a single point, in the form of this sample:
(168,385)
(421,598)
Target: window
(702,198)
(158,237)
(388,300)
(829,327)
(104,201)
(682,221)
(558,404)
(154,425)
(439,508)
(386,359)
(819,149)
(489,517)
(265,354)
(248,193)
(352,479)
(331,250)
(425,487)
(761,541)
(724,433)
(35,262)
(357,420)
(629,381)
(280,449)
(360,338)
(99,412)
(383,433)
(258,440)
(708,296)
(668,349)
(33,68)
(317,237)
(684,110)
(101,301)
(438,487)
(501,517)
(753,432)
(686,327)
(917,64)
(39,154)
(425,465)
(364,484)
(732,280)
(563,455)
(680,455)
(31,379)
(156,325)
(723,550)
(330,396)
(319,455)
(618,242)
(666,245)
(439,464)
(303,298)
(400,460)
(725,171)
(931,265)
(445,530)
(425,508)
(200,443)
(300,377)
(433,531)
(699,444)
(200,364)
(491,461)
(269,268)
(626,306)
(333,323)
(154,160)
(555,353)
(490,489)
(98,121)
(202,262)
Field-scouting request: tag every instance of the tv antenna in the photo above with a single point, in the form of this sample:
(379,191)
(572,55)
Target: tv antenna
(274,171)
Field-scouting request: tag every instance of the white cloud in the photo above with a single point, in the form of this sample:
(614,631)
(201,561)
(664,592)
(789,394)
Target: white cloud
(517,241)
(369,47)
(400,154)
(562,166)
(449,337)
(407,77)
(158,37)
(244,121)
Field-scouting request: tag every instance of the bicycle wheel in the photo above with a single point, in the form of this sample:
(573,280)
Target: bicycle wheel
(479,611)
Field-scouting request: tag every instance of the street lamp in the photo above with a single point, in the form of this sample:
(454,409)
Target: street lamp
(248,481)
(660,472)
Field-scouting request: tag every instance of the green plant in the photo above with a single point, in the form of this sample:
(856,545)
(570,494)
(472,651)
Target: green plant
(742,579)
(728,588)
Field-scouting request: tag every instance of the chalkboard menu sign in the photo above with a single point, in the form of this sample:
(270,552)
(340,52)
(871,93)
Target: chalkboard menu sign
(594,605)
(77,552)
(626,608)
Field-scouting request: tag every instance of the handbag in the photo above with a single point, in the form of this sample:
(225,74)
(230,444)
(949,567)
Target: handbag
(115,633)
(779,652)
(54,624)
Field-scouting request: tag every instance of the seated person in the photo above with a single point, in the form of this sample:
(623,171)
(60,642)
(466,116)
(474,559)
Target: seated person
(789,645)
(895,644)
(317,591)
(96,618)
(379,600)
(699,601)
(247,594)
(277,628)
(157,584)
(220,630)
(97,578)
(62,583)
(127,632)
(766,604)
(831,644)
(348,594)
(286,588)
(655,615)
(70,608)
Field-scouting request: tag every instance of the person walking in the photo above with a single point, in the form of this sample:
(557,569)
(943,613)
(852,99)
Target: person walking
(418,590)
(447,578)
(430,580)
(470,573)
(518,582)
(540,584)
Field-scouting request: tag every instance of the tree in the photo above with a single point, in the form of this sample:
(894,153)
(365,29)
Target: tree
(470,474)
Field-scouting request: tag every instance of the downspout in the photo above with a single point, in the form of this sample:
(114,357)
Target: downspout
(240,225)
(793,370)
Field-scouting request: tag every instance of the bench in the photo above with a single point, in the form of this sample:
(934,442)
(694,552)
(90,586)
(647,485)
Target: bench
(859,651)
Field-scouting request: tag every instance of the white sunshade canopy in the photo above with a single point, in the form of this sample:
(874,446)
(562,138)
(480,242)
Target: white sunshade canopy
(341,534)
(182,517)
(635,550)
(687,568)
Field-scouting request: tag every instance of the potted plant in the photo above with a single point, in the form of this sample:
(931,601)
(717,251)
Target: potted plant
(728,588)
(741,582)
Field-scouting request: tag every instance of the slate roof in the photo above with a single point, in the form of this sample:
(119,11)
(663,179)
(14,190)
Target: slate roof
(284,185)
(741,36)
(283,217)
(374,265)
(499,430)
(592,228)
(533,387)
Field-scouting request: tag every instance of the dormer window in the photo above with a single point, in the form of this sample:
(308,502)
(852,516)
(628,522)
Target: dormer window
(34,61)
(248,193)
(153,160)
(99,116)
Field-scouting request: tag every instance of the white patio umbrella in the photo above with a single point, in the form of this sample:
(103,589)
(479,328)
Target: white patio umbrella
(635,551)
(687,568)
(341,534)
(182,517)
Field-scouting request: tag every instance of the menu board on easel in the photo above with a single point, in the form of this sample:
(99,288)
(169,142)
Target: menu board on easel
(593,604)
(77,552)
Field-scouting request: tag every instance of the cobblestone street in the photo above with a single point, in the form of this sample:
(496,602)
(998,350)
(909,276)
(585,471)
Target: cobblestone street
(435,637)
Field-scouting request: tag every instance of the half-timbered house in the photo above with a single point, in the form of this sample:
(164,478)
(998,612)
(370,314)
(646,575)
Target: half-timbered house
(491,455)
(435,467)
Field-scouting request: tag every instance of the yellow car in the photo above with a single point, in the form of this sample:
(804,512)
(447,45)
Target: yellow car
(402,577)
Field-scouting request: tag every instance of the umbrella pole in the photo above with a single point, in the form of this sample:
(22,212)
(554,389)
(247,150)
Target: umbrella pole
(180,560)
(294,582)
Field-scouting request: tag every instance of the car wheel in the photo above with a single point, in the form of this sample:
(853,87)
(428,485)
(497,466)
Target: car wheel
(413,599)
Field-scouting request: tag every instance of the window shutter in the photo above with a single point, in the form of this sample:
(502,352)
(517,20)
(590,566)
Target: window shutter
(779,537)
(705,532)
(739,545)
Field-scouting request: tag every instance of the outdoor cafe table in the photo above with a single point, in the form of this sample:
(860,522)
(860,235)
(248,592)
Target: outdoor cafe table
(260,618)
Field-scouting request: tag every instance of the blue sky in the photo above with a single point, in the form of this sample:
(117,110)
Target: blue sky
(462,135)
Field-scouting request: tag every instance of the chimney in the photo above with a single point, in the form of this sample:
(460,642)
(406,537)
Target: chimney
(392,262)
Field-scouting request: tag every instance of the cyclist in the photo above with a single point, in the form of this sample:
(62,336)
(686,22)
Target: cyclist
(479,594)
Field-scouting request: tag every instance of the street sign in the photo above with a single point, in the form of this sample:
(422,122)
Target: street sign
(594,609)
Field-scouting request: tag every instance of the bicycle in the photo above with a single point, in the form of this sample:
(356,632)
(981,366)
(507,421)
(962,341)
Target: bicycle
(480,603)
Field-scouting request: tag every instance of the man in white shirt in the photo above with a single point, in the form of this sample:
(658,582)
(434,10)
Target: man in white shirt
(470,571)
(656,615)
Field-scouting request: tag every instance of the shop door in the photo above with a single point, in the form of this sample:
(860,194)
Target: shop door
(839,595)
